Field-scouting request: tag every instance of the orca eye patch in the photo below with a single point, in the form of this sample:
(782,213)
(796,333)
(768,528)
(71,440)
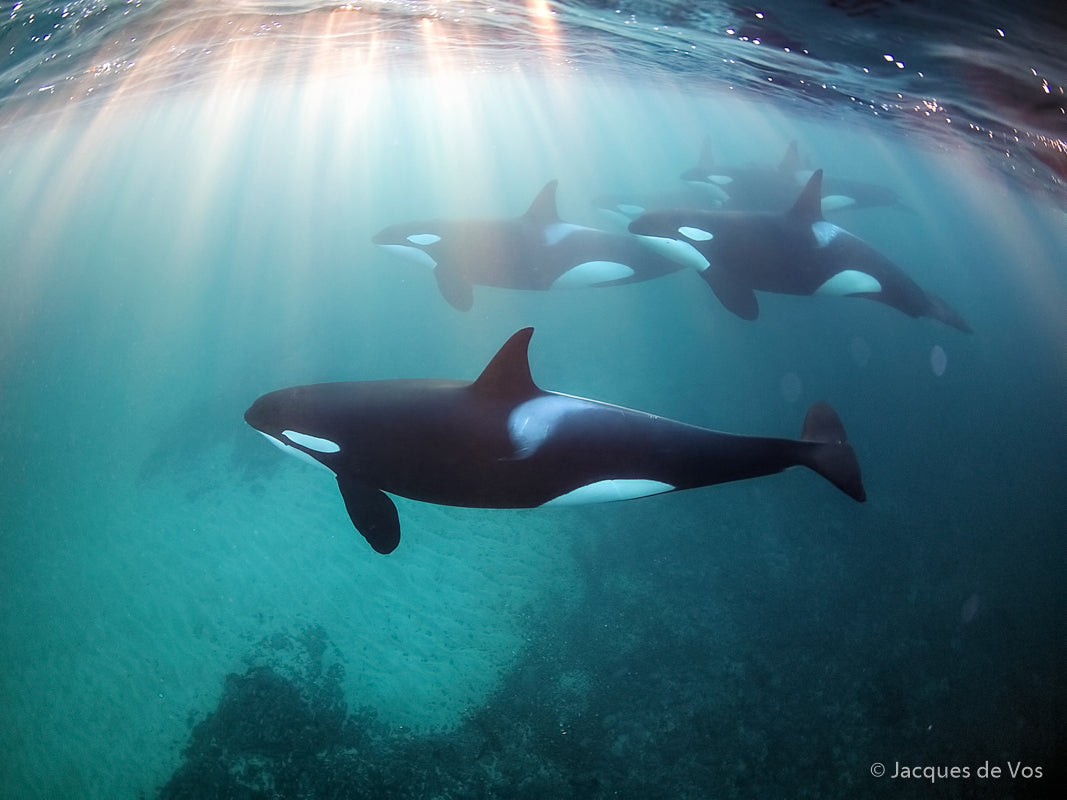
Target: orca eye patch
(424,239)
(696,234)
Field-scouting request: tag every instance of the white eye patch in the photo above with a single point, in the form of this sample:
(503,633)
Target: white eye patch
(696,234)
(424,239)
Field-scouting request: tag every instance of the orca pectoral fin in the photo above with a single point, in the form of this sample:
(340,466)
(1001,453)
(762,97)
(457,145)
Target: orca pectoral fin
(734,295)
(372,512)
(456,289)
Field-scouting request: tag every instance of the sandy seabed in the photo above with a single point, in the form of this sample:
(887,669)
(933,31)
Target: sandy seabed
(126,624)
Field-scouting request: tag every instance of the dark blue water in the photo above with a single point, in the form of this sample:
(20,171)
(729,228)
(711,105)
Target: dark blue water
(188,205)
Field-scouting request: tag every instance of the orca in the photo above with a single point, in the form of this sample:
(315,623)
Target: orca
(749,188)
(710,186)
(502,442)
(756,188)
(796,252)
(537,250)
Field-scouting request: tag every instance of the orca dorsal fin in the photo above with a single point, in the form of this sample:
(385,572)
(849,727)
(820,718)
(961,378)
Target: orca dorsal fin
(543,209)
(508,373)
(808,206)
(791,160)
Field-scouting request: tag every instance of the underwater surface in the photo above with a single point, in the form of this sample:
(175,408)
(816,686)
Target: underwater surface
(191,194)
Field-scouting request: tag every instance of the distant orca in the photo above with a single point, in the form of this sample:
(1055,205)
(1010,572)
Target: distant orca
(537,250)
(711,187)
(796,252)
(757,188)
(501,442)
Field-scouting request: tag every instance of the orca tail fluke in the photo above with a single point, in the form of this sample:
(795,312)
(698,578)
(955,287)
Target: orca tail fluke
(832,456)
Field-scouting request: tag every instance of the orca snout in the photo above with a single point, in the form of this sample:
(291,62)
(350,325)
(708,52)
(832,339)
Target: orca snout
(256,415)
(269,412)
(386,236)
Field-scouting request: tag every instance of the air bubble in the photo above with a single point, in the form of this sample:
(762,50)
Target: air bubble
(938,360)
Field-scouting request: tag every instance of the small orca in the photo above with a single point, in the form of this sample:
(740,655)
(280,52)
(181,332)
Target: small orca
(537,250)
(795,252)
(502,442)
(774,188)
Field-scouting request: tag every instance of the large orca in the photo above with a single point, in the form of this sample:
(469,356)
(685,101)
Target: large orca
(537,250)
(502,442)
(795,252)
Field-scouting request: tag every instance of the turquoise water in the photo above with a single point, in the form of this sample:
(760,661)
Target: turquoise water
(186,612)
